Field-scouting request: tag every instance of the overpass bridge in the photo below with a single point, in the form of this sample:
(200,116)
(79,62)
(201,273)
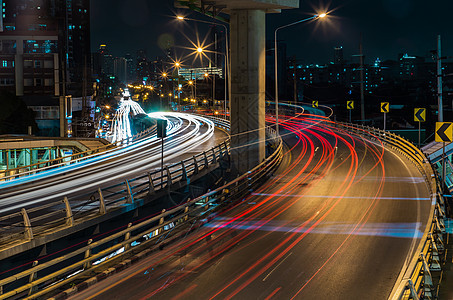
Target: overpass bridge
(343,203)
(344,200)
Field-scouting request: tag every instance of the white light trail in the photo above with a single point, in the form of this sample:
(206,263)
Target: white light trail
(121,128)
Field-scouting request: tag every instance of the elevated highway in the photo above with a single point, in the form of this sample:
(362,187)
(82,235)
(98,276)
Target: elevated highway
(45,206)
(341,218)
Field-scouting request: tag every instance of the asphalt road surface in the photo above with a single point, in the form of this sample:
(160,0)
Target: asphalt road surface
(338,220)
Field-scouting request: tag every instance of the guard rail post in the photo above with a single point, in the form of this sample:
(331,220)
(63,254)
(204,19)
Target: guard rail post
(206,201)
(127,236)
(33,277)
(214,159)
(102,209)
(184,172)
(413,292)
(152,189)
(28,231)
(186,211)
(161,221)
(129,196)
(195,165)
(428,279)
(69,216)
(169,183)
(88,264)
(206,163)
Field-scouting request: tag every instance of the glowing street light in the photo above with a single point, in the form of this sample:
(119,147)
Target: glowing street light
(315,17)
(227,60)
(177,66)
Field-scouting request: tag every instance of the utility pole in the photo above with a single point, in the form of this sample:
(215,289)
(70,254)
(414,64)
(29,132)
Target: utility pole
(295,80)
(439,81)
(362,97)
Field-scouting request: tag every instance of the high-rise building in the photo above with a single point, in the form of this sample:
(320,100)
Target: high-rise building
(120,69)
(130,68)
(49,42)
(45,51)
(338,55)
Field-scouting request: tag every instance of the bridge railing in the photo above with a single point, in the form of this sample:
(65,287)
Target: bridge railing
(416,278)
(146,233)
(27,223)
(14,173)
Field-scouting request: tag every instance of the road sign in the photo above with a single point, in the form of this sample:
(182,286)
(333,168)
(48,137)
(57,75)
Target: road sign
(350,105)
(161,128)
(420,114)
(444,132)
(315,104)
(385,107)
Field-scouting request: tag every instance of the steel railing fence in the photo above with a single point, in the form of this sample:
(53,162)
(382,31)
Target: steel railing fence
(148,231)
(27,223)
(415,280)
(14,173)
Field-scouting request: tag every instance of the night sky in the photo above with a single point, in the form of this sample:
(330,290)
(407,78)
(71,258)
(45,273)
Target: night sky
(389,27)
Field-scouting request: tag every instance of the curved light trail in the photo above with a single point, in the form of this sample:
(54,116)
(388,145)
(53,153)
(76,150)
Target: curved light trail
(121,124)
(334,222)
(187,135)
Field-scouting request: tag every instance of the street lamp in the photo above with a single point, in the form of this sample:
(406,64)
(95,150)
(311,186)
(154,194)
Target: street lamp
(177,66)
(227,59)
(315,17)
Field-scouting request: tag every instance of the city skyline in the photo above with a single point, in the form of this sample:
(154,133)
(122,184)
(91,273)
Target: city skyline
(388,28)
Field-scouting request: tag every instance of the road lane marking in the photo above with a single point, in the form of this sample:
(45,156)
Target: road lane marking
(264,279)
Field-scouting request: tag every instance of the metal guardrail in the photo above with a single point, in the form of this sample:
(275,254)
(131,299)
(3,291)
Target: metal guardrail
(27,223)
(14,173)
(82,260)
(416,280)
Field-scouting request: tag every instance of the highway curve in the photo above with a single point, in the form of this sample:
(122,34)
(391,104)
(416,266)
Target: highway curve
(188,135)
(338,220)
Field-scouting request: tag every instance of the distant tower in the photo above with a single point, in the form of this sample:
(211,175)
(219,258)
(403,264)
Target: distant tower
(338,55)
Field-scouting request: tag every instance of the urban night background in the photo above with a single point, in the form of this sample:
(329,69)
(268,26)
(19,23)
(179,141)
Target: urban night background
(110,44)
(231,195)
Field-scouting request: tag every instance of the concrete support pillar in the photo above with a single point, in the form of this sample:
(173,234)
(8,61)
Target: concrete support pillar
(19,67)
(247,88)
(63,121)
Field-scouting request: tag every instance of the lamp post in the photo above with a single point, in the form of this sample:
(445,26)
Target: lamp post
(227,59)
(177,66)
(164,76)
(276,60)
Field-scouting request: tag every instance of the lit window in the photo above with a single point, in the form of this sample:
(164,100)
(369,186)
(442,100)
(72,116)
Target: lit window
(4,64)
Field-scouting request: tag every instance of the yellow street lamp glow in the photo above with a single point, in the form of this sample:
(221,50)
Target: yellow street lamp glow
(190,82)
(169,94)
(107,116)
(180,18)
(199,49)
(322,15)
(206,74)
(107,106)
(177,64)
(164,74)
